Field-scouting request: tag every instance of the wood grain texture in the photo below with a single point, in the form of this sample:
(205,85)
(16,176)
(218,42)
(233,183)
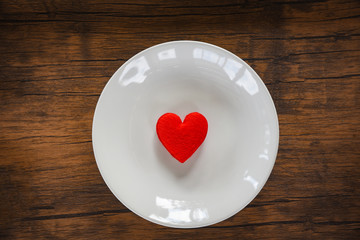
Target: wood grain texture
(56,57)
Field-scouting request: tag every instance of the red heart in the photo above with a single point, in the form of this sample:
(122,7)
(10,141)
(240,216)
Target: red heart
(182,139)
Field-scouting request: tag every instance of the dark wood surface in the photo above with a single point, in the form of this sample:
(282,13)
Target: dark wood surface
(56,57)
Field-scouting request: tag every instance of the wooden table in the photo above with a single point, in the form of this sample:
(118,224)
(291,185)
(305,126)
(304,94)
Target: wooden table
(56,57)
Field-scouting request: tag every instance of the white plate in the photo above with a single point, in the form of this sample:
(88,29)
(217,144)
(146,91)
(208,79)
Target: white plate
(230,167)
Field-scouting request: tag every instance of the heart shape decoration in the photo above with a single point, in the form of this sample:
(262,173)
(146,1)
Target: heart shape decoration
(182,139)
